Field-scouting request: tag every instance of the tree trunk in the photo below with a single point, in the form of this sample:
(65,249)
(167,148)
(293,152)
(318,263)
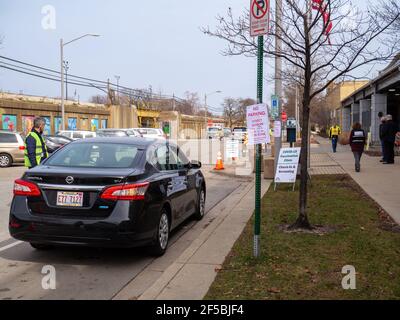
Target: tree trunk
(302,220)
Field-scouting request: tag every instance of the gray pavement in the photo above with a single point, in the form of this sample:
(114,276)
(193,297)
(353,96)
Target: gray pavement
(7,177)
(191,275)
(86,273)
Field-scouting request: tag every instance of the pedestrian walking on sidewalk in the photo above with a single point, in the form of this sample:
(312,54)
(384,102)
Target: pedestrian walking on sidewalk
(383,121)
(389,131)
(334,134)
(357,142)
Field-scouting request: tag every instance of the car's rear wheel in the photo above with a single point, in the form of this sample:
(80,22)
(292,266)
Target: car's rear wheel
(41,246)
(162,236)
(5,160)
(201,205)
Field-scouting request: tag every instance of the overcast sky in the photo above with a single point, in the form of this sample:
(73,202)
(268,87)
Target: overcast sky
(157,43)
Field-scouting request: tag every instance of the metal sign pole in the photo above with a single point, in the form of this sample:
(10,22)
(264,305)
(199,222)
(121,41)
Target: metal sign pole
(257,224)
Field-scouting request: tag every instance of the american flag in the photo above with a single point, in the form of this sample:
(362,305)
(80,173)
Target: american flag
(321,7)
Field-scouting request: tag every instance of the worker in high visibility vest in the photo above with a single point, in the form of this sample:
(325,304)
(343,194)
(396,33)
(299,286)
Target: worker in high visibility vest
(334,134)
(35,147)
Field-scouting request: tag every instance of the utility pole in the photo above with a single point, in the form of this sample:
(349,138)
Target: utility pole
(278,74)
(66,68)
(109,97)
(62,45)
(118,98)
(205,115)
(206,109)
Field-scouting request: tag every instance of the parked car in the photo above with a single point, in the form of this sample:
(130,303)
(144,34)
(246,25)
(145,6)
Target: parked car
(151,133)
(239,133)
(112,133)
(76,134)
(132,132)
(108,192)
(53,143)
(12,148)
(227,132)
(214,133)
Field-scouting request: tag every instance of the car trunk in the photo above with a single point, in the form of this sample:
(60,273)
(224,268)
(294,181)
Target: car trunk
(79,198)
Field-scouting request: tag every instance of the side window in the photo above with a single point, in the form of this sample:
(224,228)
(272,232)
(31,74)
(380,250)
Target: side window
(181,160)
(164,158)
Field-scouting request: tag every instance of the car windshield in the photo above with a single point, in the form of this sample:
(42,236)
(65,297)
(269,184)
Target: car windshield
(213,129)
(239,129)
(95,155)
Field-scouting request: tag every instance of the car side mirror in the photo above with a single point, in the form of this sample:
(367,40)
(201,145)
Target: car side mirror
(194,164)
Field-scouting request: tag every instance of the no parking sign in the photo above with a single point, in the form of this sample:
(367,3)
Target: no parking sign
(259,17)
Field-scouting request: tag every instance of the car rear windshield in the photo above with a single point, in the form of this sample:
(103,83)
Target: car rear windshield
(213,129)
(95,155)
(8,137)
(244,129)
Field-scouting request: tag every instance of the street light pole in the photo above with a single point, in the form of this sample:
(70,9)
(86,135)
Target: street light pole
(62,45)
(206,109)
(62,85)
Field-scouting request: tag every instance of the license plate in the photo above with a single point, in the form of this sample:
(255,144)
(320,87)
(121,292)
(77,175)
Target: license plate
(70,199)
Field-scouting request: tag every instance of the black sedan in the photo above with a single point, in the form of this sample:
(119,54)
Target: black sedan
(108,192)
(54,143)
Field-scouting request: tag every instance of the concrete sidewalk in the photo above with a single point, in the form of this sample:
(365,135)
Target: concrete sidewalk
(381,182)
(192,274)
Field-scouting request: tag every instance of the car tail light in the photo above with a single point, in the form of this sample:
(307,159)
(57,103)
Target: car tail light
(126,192)
(22,148)
(14,224)
(25,188)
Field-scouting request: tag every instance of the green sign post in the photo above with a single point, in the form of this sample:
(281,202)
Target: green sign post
(257,222)
(259,25)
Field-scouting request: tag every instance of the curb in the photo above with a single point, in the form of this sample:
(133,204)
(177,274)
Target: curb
(205,255)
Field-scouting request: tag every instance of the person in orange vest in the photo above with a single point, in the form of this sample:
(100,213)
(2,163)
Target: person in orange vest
(334,134)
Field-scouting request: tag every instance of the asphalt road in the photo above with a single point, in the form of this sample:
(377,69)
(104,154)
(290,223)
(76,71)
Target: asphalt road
(87,273)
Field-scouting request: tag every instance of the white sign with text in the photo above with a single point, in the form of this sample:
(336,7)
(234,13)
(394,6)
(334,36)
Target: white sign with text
(258,124)
(288,163)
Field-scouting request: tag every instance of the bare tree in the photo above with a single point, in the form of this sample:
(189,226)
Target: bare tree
(100,99)
(389,11)
(231,110)
(319,53)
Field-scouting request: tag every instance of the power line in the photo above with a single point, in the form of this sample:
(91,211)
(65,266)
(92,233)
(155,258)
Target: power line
(53,75)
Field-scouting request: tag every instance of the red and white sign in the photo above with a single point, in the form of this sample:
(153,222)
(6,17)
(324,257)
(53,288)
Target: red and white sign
(259,17)
(284,116)
(258,124)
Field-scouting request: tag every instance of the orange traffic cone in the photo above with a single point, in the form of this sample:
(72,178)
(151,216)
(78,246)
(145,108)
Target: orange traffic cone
(220,164)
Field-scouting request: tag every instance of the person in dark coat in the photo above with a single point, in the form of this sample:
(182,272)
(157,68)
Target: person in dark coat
(357,143)
(383,121)
(388,136)
(35,146)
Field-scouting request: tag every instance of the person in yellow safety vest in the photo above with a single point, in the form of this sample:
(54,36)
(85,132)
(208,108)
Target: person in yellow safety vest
(334,134)
(35,147)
